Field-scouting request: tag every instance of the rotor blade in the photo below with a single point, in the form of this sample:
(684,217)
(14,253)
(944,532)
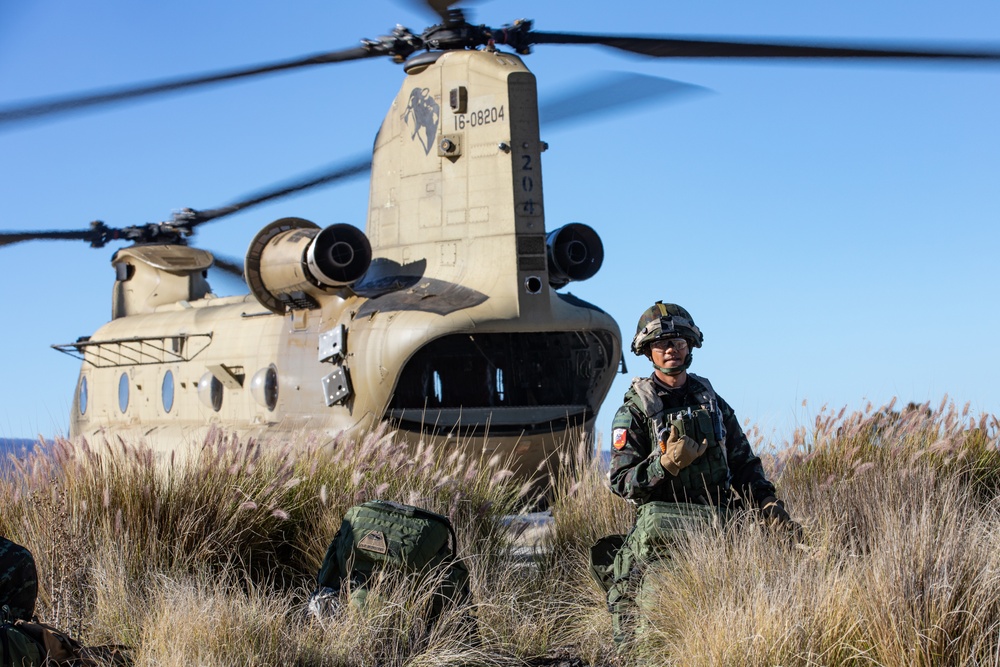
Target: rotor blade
(615,91)
(228,280)
(343,171)
(62,105)
(10,238)
(229,265)
(667,47)
(442,7)
(439,7)
(601,95)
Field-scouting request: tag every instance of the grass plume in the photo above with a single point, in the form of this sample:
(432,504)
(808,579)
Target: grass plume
(209,558)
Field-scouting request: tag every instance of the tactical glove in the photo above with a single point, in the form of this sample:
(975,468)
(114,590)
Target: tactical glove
(776,516)
(679,451)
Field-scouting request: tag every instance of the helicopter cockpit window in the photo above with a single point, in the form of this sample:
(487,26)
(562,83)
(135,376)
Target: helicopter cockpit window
(83,395)
(167,391)
(504,370)
(210,391)
(123,392)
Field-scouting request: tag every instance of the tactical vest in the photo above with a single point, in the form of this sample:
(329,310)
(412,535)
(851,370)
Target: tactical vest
(707,479)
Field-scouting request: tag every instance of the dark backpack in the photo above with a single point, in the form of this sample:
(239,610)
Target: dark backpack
(17,648)
(386,538)
(27,644)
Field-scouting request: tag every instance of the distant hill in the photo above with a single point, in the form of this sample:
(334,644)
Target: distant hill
(15,446)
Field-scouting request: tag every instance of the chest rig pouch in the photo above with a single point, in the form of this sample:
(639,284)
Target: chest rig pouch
(708,476)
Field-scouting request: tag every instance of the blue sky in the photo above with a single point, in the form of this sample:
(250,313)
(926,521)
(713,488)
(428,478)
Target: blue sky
(832,228)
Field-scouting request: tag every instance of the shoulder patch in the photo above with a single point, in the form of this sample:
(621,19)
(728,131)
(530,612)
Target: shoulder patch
(619,437)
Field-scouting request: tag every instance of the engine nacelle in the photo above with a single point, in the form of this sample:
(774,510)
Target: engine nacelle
(575,252)
(292,262)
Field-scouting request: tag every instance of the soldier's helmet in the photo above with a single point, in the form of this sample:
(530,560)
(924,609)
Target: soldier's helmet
(664,320)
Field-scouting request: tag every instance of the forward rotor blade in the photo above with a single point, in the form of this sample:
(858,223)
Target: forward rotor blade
(343,171)
(667,47)
(616,91)
(62,105)
(228,265)
(10,238)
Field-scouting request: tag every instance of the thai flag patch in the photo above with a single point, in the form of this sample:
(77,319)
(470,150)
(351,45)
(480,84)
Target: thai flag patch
(618,438)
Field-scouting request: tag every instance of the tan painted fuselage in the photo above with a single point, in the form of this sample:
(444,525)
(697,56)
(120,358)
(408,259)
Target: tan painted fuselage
(454,331)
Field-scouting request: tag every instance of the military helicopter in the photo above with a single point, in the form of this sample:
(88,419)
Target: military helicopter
(446,319)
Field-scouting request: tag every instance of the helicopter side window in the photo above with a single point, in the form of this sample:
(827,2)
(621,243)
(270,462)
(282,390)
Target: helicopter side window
(264,387)
(123,392)
(83,395)
(210,391)
(167,391)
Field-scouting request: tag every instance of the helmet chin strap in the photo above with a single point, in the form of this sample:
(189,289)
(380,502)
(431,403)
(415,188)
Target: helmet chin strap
(675,371)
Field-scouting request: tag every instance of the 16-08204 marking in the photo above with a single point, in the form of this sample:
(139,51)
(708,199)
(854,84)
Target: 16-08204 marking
(479,118)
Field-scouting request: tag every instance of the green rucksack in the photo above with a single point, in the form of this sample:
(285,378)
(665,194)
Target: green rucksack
(386,538)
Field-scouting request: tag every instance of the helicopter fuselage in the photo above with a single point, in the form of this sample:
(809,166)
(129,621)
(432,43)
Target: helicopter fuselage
(449,324)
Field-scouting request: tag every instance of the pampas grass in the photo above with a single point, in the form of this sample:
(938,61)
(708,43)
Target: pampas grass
(209,558)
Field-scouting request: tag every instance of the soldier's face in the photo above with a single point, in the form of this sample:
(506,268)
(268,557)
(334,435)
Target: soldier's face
(669,353)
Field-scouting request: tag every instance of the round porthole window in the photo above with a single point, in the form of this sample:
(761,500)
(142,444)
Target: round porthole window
(123,392)
(167,391)
(83,395)
(264,387)
(210,391)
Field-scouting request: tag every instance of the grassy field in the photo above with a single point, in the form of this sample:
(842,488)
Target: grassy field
(210,560)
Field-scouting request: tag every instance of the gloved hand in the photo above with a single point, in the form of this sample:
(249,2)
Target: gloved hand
(679,451)
(776,516)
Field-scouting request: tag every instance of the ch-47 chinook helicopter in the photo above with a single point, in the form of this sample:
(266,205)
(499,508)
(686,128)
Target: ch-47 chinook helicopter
(444,318)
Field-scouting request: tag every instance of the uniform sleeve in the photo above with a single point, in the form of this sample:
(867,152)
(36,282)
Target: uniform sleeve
(745,467)
(635,467)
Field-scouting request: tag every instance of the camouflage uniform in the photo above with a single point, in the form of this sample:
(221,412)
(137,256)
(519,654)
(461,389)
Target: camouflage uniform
(636,473)
(18,580)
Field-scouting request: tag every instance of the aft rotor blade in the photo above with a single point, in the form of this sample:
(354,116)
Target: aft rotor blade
(63,105)
(439,7)
(602,95)
(342,171)
(614,92)
(10,238)
(668,47)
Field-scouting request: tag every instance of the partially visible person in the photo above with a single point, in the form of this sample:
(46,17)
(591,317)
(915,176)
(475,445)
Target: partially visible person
(18,580)
(678,452)
(675,439)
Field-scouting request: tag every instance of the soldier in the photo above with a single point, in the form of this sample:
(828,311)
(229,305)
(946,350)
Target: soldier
(18,580)
(678,452)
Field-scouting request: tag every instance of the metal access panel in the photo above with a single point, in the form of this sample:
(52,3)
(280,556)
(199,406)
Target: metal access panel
(331,343)
(336,386)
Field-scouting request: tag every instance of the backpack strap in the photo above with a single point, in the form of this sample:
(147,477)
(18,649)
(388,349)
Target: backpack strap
(647,398)
(710,398)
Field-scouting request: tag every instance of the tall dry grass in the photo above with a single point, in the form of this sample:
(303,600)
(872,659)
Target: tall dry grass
(209,560)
